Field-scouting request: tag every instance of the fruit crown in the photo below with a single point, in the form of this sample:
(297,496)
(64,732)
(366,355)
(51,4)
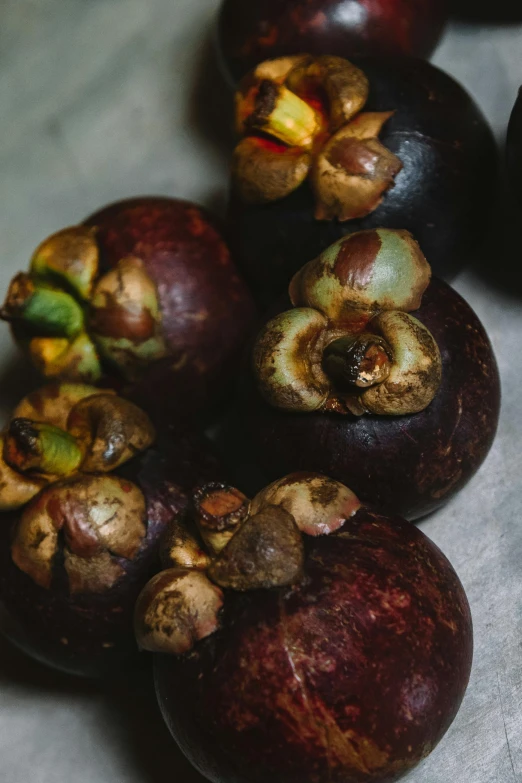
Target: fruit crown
(228,542)
(350,345)
(70,320)
(56,455)
(301,117)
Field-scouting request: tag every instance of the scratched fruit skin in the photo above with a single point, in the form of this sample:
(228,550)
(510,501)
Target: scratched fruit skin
(257,30)
(443,195)
(352,676)
(408,465)
(92,634)
(206,307)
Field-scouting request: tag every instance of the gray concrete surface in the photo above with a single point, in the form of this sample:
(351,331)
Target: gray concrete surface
(101,99)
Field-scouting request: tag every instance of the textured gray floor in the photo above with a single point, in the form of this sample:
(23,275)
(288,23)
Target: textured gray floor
(101,99)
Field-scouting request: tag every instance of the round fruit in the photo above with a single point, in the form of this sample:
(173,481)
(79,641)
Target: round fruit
(350,668)
(329,148)
(377,377)
(143,295)
(249,33)
(75,558)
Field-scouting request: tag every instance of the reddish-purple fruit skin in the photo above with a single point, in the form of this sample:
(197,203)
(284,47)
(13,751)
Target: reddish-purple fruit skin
(92,635)
(206,307)
(257,30)
(373,648)
(514,147)
(407,465)
(443,195)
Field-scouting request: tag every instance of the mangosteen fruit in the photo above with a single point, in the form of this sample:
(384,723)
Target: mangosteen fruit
(324,642)
(248,33)
(378,376)
(328,148)
(144,294)
(87,494)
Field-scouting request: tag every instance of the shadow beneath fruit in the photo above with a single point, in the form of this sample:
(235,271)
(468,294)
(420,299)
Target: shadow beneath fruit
(20,671)
(130,723)
(499,264)
(211,109)
(488,11)
(138,727)
(17,378)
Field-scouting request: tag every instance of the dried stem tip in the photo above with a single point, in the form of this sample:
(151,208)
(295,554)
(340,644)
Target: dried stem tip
(37,447)
(357,363)
(219,511)
(282,114)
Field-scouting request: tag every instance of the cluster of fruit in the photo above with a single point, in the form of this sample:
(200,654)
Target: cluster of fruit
(308,632)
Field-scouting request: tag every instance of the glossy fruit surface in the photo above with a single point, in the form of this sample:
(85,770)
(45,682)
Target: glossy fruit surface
(90,633)
(443,193)
(353,675)
(144,296)
(249,33)
(409,465)
(206,308)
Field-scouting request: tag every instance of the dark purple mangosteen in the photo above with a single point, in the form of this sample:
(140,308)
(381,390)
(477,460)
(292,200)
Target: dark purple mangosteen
(250,32)
(329,148)
(143,295)
(88,494)
(323,642)
(377,377)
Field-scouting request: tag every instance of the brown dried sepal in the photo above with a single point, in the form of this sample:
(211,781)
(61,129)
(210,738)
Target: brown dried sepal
(99,519)
(318,504)
(177,608)
(354,170)
(181,546)
(345,85)
(267,551)
(219,510)
(264,171)
(110,431)
(53,402)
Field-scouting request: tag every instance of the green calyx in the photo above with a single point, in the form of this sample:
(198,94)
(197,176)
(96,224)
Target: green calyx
(42,309)
(68,319)
(350,345)
(41,448)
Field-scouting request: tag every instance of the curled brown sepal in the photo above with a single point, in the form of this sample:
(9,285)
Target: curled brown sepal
(354,170)
(53,402)
(265,171)
(287,361)
(267,551)
(90,523)
(415,372)
(181,546)
(125,320)
(388,364)
(177,608)
(70,258)
(318,504)
(363,274)
(110,430)
(219,510)
(16,489)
